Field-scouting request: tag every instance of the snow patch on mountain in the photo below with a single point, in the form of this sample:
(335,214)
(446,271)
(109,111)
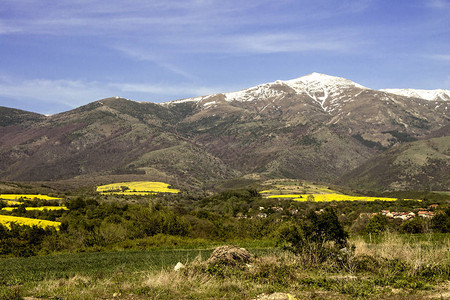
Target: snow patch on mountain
(431,95)
(262,91)
(318,87)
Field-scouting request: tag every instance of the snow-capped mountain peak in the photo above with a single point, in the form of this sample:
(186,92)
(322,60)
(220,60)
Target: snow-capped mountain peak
(431,95)
(325,80)
(316,85)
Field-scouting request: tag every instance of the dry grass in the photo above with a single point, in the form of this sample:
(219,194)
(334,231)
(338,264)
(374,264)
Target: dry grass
(418,253)
(268,275)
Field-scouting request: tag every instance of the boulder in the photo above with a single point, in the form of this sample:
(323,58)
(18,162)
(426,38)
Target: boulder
(230,256)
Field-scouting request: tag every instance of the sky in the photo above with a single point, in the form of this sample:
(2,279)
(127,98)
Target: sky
(58,55)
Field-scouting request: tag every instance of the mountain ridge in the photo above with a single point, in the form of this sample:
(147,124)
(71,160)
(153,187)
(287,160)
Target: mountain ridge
(316,127)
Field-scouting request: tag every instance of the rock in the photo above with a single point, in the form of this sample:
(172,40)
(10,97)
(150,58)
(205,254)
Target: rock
(275,296)
(230,255)
(178,266)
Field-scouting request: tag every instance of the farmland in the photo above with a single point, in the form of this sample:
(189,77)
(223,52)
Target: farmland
(150,275)
(136,188)
(17,202)
(7,220)
(100,245)
(38,208)
(303,192)
(332,197)
(26,197)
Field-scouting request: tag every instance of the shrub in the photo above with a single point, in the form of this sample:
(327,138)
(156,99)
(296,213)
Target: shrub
(377,224)
(319,238)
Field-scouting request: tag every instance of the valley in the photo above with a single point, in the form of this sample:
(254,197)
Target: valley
(329,184)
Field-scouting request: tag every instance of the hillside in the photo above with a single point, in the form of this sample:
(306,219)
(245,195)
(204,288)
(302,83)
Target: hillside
(419,165)
(316,127)
(11,117)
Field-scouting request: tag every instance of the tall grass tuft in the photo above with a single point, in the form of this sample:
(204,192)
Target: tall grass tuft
(422,255)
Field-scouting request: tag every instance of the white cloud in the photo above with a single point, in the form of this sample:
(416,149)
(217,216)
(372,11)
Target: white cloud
(169,90)
(68,92)
(441,57)
(288,42)
(74,93)
(439,4)
(148,55)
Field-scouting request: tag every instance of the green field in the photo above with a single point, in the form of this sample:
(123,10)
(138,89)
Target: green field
(98,264)
(417,267)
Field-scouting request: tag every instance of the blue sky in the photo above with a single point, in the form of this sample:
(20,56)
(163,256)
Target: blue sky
(58,55)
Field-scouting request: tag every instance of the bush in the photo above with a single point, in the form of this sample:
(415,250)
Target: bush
(377,224)
(441,222)
(319,238)
(415,225)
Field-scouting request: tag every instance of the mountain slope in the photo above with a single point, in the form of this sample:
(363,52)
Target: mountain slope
(313,127)
(104,137)
(430,95)
(11,116)
(419,165)
(316,127)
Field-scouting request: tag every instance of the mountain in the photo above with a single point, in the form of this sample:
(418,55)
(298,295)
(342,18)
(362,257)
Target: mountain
(316,127)
(419,165)
(431,95)
(11,117)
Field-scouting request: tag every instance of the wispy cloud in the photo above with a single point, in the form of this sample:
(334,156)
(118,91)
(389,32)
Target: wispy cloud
(74,93)
(175,90)
(149,55)
(441,57)
(439,4)
(192,25)
(282,42)
(68,92)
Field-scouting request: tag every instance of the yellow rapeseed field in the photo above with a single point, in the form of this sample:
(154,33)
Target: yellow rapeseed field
(7,220)
(284,196)
(38,208)
(130,193)
(26,197)
(136,188)
(266,191)
(333,197)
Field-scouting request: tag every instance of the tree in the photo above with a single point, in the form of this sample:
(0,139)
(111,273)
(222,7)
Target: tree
(441,222)
(377,224)
(319,237)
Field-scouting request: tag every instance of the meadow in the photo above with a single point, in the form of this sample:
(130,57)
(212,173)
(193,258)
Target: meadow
(391,268)
(125,247)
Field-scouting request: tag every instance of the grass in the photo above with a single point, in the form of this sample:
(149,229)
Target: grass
(101,264)
(394,267)
(421,252)
(290,186)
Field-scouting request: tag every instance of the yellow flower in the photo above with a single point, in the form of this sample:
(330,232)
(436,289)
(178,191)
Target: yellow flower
(7,220)
(136,188)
